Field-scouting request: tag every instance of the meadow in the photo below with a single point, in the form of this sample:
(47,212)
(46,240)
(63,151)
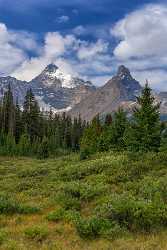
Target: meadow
(110,201)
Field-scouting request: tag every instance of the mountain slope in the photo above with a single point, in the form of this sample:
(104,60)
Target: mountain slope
(52,88)
(59,91)
(120,90)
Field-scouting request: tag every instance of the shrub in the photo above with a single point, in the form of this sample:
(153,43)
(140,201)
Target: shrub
(88,228)
(37,233)
(134,214)
(62,214)
(93,227)
(56,215)
(69,202)
(8,206)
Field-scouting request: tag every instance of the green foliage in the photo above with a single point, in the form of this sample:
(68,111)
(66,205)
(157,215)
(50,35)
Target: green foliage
(56,215)
(144,132)
(112,135)
(37,233)
(90,137)
(88,228)
(8,206)
(134,214)
(43,150)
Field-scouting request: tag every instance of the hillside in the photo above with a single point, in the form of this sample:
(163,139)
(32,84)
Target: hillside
(111,201)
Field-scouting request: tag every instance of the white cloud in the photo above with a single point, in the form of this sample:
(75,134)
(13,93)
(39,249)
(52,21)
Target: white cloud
(12,48)
(90,50)
(142,33)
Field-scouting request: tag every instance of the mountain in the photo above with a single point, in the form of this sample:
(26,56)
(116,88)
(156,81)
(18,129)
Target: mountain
(52,88)
(65,93)
(121,90)
(60,91)
(19,88)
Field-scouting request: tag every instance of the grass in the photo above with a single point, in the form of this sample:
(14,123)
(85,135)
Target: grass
(110,201)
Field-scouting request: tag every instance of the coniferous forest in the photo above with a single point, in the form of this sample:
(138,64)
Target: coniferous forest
(27,131)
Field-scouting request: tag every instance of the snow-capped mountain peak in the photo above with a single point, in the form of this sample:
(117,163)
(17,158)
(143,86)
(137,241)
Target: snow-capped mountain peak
(54,76)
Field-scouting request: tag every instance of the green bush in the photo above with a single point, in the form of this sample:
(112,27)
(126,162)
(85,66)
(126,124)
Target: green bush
(56,215)
(8,206)
(94,227)
(69,202)
(61,214)
(88,228)
(36,233)
(134,214)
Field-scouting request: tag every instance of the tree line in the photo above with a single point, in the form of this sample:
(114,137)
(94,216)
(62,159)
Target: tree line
(26,131)
(142,132)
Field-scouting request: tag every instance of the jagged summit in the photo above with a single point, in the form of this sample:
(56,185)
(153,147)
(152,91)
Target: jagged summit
(124,73)
(51,68)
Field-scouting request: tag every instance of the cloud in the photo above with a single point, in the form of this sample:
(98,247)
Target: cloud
(63,19)
(142,33)
(90,50)
(13,47)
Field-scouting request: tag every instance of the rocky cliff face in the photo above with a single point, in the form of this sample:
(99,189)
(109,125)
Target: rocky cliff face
(52,88)
(119,91)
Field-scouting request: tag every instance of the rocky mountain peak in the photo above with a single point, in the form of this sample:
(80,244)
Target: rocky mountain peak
(124,73)
(51,68)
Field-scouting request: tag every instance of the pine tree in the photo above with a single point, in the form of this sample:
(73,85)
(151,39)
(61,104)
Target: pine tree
(31,116)
(113,132)
(43,151)
(18,123)
(7,114)
(144,132)
(89,141)
(24,146)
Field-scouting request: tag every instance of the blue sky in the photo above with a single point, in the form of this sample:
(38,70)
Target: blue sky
(87,38)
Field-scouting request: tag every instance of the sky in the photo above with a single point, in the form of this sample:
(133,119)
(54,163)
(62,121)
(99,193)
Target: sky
(86,38)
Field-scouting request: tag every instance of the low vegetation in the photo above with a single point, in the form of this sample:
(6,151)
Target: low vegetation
(110,201)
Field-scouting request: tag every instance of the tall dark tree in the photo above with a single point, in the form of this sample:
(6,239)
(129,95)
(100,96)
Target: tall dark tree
(18,122)
(89,141)
(7,112)
(113,132)
(144,132)
(31,116)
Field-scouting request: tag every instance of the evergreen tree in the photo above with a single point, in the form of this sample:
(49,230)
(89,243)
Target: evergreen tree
(89,141)
(24,146)
(43,151)
(31,116)
(18,123)
(113,132)
(144,132)
(7,112)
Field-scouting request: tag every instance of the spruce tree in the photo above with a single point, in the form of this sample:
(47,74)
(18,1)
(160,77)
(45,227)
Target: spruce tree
(113,132)
(31,116)
(7,114)
(43,150)
(89,141)
(144,132)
